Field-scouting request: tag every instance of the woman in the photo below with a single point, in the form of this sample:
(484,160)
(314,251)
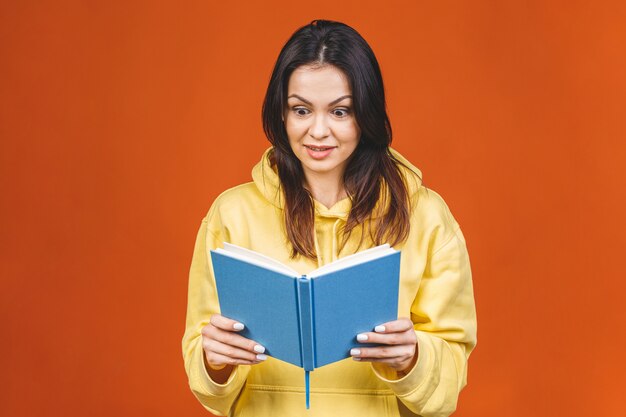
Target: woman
(330,186)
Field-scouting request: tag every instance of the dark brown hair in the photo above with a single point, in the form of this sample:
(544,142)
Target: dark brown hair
(372,175)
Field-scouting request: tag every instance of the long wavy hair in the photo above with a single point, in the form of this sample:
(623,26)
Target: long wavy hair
(372,179)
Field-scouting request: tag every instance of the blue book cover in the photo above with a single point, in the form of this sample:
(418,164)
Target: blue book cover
(307,320)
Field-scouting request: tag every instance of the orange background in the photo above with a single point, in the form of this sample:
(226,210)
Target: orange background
(120,122)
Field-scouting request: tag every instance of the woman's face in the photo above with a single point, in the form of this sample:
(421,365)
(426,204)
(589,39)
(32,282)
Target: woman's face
(320,121)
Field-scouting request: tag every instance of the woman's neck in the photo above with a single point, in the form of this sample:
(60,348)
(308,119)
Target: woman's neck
(325,189)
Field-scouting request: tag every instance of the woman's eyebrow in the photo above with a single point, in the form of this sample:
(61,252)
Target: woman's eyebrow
(337,100)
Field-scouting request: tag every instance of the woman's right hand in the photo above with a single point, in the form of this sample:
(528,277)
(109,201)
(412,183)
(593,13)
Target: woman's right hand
(223,346)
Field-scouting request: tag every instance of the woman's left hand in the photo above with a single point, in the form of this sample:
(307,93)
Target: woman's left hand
(401,351)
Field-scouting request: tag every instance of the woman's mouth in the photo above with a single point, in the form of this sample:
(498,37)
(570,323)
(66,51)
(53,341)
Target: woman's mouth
(319,152)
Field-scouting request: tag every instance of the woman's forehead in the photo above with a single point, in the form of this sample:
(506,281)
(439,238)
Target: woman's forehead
(327,83)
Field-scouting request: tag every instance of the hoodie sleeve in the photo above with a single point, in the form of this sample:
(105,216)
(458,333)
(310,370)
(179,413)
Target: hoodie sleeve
(201,304)
(444,318)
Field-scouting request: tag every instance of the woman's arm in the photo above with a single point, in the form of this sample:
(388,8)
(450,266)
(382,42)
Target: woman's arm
(216,396)
(444,318)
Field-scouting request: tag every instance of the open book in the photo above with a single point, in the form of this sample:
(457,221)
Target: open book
(307,320)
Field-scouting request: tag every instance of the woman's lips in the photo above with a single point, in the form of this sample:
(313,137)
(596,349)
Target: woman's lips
(319,152)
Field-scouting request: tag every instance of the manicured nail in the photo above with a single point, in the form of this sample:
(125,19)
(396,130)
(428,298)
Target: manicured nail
(238,326)
(259,349)
(361,337)
(379,329)
(355,352)
(261,357)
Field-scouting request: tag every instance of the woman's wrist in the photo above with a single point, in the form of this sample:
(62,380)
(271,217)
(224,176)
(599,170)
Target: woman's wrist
(405,371)
(219,373)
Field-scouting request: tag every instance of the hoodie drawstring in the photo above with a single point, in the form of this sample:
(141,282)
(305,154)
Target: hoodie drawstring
(334,254)
(317,249)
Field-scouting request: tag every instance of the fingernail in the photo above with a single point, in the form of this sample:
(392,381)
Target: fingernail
(361,337)
(238,326)
(379,329)
(259,349)
(356,359)
(261,357)
(355,352)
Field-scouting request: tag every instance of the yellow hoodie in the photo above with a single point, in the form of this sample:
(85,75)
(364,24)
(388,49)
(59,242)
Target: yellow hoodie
(435,292)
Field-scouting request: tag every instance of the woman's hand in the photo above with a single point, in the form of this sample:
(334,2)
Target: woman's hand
(401,351)
(224,347)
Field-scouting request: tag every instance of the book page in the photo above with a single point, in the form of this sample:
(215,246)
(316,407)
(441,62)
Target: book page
(263,300)
(256,258)
(351,301)
(354,259)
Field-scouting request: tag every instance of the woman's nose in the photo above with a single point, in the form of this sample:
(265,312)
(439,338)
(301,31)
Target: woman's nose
(319,128)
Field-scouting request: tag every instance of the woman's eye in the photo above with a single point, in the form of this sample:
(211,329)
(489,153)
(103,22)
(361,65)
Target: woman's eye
(303,111)
(300,111)
(341,112)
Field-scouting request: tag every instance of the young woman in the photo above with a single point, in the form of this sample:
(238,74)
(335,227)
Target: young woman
(330,186)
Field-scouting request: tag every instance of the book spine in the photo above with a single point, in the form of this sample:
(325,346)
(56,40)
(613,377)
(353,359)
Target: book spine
(305,309)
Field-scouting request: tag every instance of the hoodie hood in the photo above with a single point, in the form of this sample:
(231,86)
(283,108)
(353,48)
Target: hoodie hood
(266,179)
(329,220)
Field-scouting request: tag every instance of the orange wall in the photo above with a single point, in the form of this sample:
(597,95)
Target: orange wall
(121,121)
